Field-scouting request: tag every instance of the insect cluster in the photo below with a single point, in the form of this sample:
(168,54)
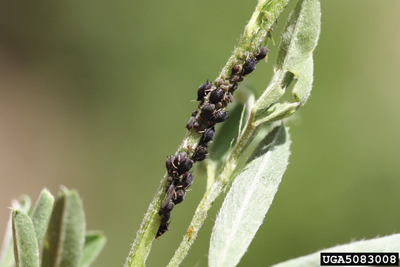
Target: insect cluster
(213,99)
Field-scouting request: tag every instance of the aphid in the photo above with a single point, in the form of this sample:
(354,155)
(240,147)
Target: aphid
(169,165)
(223,76)
(179,158)
(170,191)
(170,179)
(166,207)
(228,98)
(179,196)
(170,182)
(233,88)
(236,79)
(207,110)
(248,66)
(262,53)
(190,123)
(216,96)
(219,116)
(199,126)
(202,91)
(219,81)
(194,113)
(187,180)
(165,218)
(200,153)
(162,229)
(185,166)
(225,88)
(208,135)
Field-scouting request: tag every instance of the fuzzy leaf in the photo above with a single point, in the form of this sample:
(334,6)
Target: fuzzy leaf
(94,243)
(382,244)
(249,199)
(65,236)
(7,250)
(26,250)
(294,63)
(41,214)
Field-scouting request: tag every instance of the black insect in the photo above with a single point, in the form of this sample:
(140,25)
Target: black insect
(187,180)
(207,110)
(185,166)
(203,90)
(208,135)
(190,123)
(169,165)
(198,125)
(182,163)
(165,218)
(233,88)
(248,66)
(166,207)
(262,53)
(179,196)
(235,69)
(200,153)
(170,182)
(219,116)
(162,229)
(216,96)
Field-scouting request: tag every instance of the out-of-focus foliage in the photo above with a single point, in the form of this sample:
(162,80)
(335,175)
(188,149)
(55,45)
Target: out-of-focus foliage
(95,95)
(53,235)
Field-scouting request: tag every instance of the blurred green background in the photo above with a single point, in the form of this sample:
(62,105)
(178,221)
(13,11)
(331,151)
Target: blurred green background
(94,95)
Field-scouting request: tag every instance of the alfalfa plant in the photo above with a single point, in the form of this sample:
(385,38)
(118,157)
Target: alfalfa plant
(255,182)
(50,234)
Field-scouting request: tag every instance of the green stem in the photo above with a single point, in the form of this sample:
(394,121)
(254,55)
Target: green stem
(145,236)
(254,36)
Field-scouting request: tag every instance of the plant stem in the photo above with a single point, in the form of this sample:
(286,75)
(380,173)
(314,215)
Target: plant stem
(145,236)
(248,134)
(254,36)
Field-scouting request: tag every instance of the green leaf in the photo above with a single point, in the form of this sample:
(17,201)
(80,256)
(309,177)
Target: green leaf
(294,63)
(94,243)
(66,232)
(41,214)
(225,134)
(249,199)
(383,244)
(7,251)
(26,250)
